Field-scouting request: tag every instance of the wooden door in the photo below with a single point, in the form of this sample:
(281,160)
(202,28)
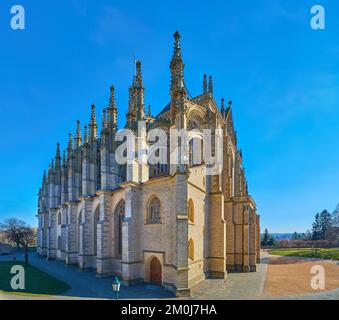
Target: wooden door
(155,272)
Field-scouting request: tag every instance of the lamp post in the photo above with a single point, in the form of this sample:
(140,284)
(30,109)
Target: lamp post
(116,287)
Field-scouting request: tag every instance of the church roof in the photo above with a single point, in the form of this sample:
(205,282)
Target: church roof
(165,109)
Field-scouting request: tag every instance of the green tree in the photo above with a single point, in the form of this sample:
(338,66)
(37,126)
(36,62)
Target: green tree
(316,228)
(326,223)
(295,236)
(268,240)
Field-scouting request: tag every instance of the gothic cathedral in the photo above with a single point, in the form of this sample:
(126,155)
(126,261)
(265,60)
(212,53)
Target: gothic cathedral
(164,224)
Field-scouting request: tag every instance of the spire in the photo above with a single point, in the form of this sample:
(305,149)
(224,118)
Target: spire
(112,111)
(78,138)
(112,98)
(204,84)
(139,93)
(70,146)
(57,155)
(136,107)
(177,66)
(138,76)
(93,125)
(149,113)
(210,85)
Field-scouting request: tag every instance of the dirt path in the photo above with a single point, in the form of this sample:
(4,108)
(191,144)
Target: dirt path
(292,276)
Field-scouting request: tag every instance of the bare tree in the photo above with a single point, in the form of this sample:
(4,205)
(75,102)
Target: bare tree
(19,233)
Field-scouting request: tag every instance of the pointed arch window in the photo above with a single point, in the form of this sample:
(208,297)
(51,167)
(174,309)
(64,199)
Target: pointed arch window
(59,218)
(153,215)
(59,243)
(119,217)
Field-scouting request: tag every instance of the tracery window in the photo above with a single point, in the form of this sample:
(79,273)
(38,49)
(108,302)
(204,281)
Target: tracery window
(154,211)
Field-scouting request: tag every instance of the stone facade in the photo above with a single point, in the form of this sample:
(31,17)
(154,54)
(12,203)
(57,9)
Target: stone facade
(172,225)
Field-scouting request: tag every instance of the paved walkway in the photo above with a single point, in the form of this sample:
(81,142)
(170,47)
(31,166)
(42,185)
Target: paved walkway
(237,286)
(87,285)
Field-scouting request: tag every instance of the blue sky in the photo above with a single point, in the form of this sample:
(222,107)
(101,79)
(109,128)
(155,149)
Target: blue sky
(282,76)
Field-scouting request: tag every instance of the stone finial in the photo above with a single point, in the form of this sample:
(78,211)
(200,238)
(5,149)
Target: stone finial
(138,75)
(177,49)
(177,68)
(112,111)
(78,138)
(93,116)
(230,103)
(93,124)
(210,85)
(204,84)
(57,155)
(70,145)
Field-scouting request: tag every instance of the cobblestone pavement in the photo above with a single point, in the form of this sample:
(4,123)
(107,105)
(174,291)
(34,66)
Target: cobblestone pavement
(237,286)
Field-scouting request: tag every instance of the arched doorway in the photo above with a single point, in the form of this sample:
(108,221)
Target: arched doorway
(155,272)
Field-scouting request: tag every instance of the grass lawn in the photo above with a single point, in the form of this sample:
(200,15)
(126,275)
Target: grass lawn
(323,253)
(36,281)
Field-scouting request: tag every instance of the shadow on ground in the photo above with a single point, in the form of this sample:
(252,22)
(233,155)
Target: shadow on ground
(85,284)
